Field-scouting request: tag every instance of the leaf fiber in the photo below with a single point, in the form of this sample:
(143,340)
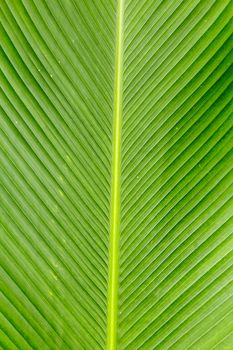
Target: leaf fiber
(116,181)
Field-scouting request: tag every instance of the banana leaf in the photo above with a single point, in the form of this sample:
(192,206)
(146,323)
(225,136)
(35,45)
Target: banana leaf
(116,181)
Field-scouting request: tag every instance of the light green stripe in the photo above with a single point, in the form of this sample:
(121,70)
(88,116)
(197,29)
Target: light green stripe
(115,196)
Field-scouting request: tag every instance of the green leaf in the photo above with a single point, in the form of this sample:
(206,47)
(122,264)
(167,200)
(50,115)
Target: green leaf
(116,156)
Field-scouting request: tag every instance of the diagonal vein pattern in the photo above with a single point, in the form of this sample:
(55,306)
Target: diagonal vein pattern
(57,75)
(177,177)
(116,181)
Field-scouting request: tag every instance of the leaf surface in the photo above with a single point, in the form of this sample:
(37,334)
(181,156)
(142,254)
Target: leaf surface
(116,174)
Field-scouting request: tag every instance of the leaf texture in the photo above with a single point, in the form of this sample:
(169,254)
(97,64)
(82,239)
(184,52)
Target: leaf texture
(176,216)
(57,71)
(61,85)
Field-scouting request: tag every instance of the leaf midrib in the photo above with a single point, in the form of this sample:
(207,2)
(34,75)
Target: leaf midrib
(115,186)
